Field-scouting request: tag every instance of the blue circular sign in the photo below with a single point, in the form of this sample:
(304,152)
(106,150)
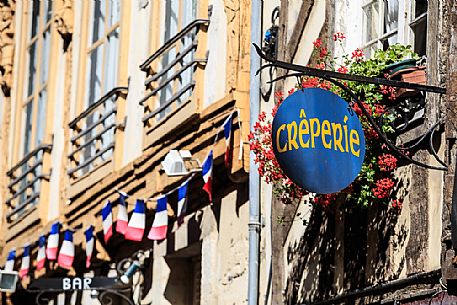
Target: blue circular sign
(318,140)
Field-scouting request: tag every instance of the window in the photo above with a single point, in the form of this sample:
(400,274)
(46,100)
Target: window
(101,76)
(380,24)
(418,25)
(386,22)
(38,47)
(103,48)
(178,14)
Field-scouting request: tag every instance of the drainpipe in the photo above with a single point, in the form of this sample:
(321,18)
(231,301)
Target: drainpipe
(254,178)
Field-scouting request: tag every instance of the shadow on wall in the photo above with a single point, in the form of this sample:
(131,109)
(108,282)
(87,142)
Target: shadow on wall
(343,249)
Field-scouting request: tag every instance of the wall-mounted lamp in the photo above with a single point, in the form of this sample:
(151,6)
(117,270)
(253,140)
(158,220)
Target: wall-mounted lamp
(179,163)
(8,281)
(125,278)
(270,46)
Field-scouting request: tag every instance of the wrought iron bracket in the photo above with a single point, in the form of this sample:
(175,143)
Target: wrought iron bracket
(334,77)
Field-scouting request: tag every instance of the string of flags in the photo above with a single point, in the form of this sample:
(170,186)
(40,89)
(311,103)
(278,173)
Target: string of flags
(133,229)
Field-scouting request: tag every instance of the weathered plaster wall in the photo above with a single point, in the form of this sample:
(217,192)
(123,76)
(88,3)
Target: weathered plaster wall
(346,248)
(222,243)
(215,83)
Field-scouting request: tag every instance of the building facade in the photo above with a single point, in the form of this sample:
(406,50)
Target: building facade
(95,95)
(375,255)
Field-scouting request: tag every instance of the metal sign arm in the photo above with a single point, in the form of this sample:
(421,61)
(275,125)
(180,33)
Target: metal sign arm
(331,76)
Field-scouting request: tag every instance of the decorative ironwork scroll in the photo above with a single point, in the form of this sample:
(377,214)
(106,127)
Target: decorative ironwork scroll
(332,76)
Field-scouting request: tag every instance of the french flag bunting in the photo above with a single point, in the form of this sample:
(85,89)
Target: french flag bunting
(41,256)
(90,242)
(53,242)
(107,221)
(9,265)
(182,203)
(160,224)
(135,228)
(67,251)
(228,136)
(207,172)
(122,219)
(25,264)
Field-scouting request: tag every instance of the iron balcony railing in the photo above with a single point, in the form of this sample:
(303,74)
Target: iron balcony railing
(170,74)
(25,183)
(93,134)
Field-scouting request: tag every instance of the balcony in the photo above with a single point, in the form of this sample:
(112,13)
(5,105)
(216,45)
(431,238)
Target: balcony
(25,183)
(174,73)
(93,135)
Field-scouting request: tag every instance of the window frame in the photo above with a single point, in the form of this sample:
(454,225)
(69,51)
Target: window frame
(102,42)
(40,82)
(405,22)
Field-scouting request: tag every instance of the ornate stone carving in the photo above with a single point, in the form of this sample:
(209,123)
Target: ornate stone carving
(7,10)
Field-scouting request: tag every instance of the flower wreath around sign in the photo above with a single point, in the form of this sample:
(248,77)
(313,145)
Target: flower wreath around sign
(376,181)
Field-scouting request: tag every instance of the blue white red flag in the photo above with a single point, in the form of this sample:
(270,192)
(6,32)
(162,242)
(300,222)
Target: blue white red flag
(122,219)
(107,221)
(90,243)
(137,222)
(41,256)
(160,225)
(182,203)
(25,264)
(9,265)
(207,173)
(228,136)
(67,251)
(53,242)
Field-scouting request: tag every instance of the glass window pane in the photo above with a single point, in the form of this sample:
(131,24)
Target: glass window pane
(171,19)
(35,15)
(47,10)
(386,43)
(41,119)
(32,69)
(95,74)
(390,15)
(189,12)
(99,20)
(45,56)
(371,12)
(115,9)
(112,54)
(420,36)
(421,7)
(28,127)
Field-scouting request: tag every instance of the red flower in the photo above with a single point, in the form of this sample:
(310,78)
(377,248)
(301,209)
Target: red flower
(317,43)
(291,91)
(323,53)
(379,109)
(397,203)
(325,200)
(279,95)
(357,54)
(343,69)
(383,188)
(387,162)
(338,36)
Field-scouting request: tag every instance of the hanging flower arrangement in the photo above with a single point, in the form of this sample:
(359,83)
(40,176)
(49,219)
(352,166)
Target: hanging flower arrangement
(376,181)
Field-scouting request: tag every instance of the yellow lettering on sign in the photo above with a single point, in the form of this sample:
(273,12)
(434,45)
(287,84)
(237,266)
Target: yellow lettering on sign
(345,128)
(315,130)
(292,135)
(355,140)
(332,135)
(337,139)
(303,129)
(283,149)
(326,132)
